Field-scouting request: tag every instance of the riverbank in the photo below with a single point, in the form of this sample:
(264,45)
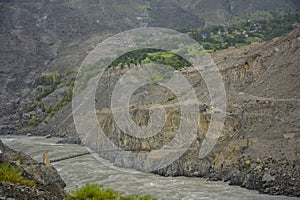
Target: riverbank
(88,169)
(268,176)
(21,177)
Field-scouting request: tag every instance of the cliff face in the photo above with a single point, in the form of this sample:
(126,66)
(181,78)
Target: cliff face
(47,182)
(261,134)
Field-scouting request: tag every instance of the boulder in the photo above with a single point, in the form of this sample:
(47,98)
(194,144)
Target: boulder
(70,140)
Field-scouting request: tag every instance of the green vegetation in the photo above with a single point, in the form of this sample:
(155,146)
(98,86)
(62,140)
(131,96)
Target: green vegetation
(35,121)
(16,158)
(30,107)
(48,79)
(98,192)
(247,165)
(47,84)
(214,38)
(60,104)
(171,98)
(245,32)
(45,92)
(166,58)
(143,56)
(13,175)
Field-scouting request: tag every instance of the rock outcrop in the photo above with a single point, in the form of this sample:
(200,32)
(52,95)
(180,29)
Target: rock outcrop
(47,182)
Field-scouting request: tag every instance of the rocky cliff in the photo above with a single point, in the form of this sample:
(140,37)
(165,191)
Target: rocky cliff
(46,183)
(259,145)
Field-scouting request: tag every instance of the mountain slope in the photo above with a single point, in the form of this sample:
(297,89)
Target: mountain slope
(260,143)
(223,11)
(262,81)
(42,36)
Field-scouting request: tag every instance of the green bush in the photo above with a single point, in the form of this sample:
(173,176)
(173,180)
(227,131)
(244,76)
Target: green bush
(171,98)
(30,107)
(70,72)
(247,165)
(98,192)
(13,175)
(35,121)
(48,79)
(209,51)
(60,104)
(45,92)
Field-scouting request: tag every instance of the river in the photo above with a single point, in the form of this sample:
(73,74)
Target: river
(89,169)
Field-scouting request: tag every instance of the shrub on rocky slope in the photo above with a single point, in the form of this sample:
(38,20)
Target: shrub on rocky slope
(23,178)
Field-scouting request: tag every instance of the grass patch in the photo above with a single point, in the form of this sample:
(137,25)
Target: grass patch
(48,79)
(11,174)
(98,192)
(60,104)
(47,84)
(45,91)
(170,98)
(35,121)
